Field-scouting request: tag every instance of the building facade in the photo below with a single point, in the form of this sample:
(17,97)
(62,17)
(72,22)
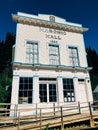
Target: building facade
(49,62)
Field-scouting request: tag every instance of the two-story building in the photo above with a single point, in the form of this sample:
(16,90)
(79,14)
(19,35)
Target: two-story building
(49,62)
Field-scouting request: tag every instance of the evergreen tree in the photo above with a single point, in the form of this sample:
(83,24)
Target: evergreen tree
(6,66)
(1,56)
(92,58)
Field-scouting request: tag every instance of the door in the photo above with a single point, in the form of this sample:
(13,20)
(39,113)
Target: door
(47,92)
(82,92)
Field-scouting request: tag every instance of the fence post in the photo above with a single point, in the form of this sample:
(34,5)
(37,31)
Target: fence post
(79,107)
(15,110)
(91,116)
(54,108)
(62,124)
(36,111)
(40,119)
(18,121)
(6,111)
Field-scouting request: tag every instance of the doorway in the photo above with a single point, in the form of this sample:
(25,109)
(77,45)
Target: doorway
(47,91)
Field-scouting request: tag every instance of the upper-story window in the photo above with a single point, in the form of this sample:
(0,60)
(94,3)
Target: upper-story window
(31,52)
(73,56)
(54,57)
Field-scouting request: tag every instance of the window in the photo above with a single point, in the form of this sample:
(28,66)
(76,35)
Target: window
(73,56)
(31,52)
(54,55)
(25,90)
(68,90)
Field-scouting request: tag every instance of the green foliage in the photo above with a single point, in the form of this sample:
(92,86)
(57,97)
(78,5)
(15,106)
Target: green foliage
(92,58)
(4,81)
(3,94)
(6,51)
(5,66)
(47,126)
(94,81)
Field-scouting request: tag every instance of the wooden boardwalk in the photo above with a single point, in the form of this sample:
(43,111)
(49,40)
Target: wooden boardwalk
(59,118)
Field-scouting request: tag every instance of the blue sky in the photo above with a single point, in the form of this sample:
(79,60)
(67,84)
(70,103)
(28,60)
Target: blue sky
(84,12)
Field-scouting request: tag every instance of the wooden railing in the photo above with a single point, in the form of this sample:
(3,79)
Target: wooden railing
(43,116)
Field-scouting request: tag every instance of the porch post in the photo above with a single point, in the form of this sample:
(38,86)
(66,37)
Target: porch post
(14,94)
(60,89)
(35,89)
(76,88)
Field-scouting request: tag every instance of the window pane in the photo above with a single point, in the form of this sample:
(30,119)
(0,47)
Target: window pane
(29,93)
(30,80)
(21,86)
(21,94)
(30,86)
(26,80)
(25,86)
(29,100)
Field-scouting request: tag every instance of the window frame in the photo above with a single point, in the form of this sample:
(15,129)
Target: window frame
(27,60)
(56,57)
(25,88)
(51,89)
(74,56)
(68,90)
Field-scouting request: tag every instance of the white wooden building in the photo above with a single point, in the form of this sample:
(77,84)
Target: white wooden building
(49,62)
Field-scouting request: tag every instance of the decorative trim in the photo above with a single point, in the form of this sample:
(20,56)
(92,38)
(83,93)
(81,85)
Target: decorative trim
(46,66)
(49,24)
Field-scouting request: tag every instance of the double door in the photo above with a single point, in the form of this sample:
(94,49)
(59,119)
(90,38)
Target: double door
(47,92)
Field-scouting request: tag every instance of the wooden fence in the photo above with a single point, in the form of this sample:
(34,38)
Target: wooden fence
(46,117)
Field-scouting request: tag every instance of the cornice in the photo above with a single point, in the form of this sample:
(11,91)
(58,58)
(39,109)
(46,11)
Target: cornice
(47,24)
(50,67)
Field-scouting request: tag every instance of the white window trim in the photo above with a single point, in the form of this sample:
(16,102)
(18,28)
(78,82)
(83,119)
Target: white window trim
(59,51)
(74,46)
(25,42)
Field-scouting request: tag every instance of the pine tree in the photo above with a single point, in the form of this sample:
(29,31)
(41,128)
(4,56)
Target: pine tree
(6,66)
(92,58)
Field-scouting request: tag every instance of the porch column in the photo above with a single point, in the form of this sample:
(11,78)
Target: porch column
(76,88)
(15,88)
(60,89)
(35,89)
(14,94)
